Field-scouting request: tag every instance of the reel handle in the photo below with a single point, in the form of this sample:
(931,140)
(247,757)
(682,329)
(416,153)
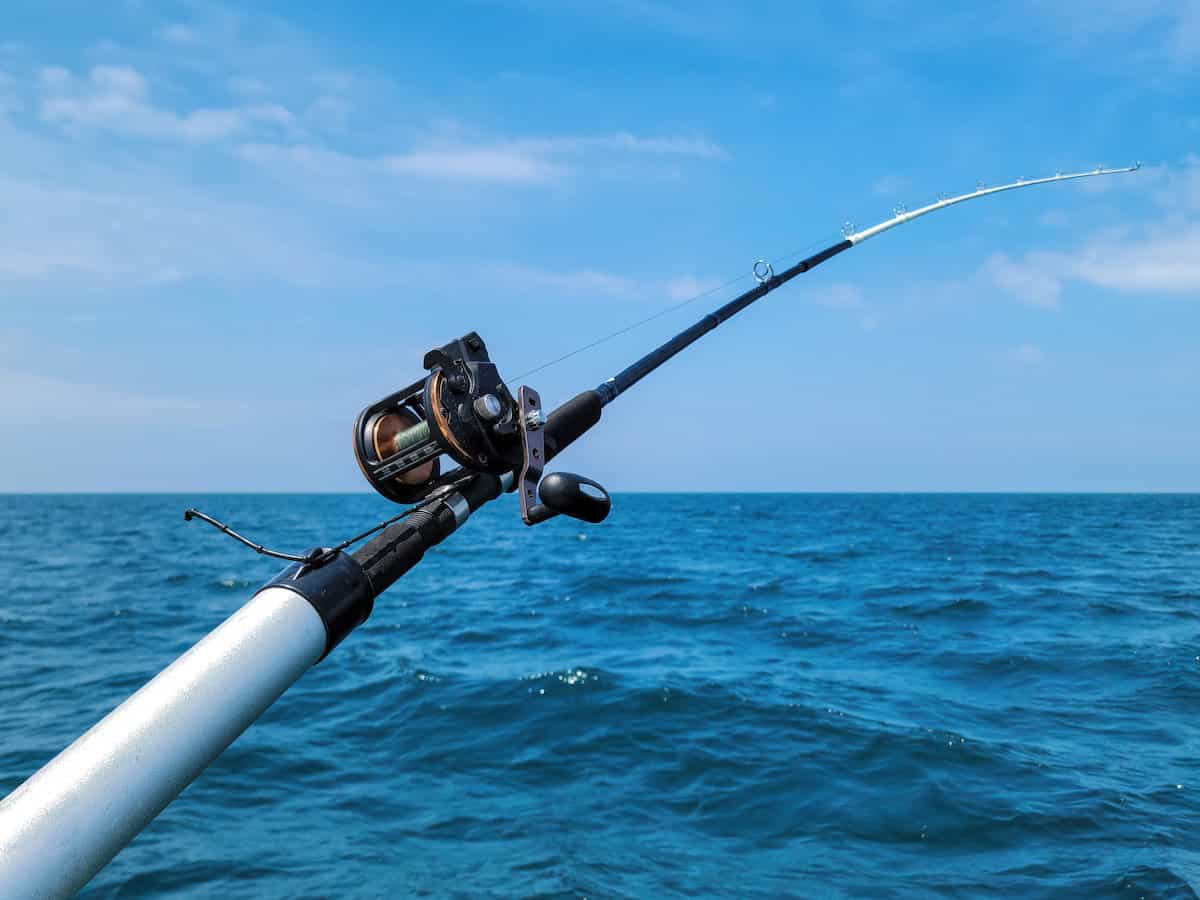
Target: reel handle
(567,494)
(561,492)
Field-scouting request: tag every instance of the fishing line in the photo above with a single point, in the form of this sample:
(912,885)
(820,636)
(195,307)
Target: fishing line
(663,312)
(318,554)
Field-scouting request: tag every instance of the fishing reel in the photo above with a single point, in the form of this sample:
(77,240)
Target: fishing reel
(463,410)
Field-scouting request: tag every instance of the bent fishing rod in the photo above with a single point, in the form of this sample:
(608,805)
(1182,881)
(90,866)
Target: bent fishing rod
(66,822)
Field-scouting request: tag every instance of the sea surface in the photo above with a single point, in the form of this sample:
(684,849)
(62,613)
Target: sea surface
(707,695)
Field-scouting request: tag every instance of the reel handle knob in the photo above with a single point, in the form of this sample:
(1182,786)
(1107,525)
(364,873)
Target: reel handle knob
(571,495)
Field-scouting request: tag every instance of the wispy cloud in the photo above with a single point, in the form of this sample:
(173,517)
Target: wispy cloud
(840,296)
(1159,260)
(685,287)
(38,375)
(26,397)
(1171,26)
(140,232)
(1160,256)
(561,283)
(117,99)
(518,161)
(177,34)
(152,235)
(475,164)
(95,226)
(1036,279)
(850,298)
(889,185)
(625,142)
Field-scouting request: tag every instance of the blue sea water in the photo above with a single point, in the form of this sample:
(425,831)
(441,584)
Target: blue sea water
(707,695)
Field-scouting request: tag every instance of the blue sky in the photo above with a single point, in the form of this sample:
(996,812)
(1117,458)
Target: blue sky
(225,230)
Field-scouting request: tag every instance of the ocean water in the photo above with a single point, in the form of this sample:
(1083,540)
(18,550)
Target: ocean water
(707,695)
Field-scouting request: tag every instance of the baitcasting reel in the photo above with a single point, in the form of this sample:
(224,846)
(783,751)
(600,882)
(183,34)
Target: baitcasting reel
(465,411)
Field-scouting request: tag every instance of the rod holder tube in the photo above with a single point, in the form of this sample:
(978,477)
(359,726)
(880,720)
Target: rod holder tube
(62,825)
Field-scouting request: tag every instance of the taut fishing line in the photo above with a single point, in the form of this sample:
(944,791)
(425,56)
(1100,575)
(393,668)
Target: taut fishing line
(664,312)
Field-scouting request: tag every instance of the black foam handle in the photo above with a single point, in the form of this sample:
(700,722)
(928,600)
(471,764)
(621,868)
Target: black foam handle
(399,547)
(571,420)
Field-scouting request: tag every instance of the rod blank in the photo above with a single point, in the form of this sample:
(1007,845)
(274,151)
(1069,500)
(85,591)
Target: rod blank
(631,375)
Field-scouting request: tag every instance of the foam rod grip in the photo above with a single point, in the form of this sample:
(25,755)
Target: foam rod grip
(567,423)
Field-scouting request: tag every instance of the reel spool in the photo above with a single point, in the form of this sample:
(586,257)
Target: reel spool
(462,409)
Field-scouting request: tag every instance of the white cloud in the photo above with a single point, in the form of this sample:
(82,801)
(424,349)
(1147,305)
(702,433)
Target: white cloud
(40,377)
(117,99)
(143,229)
(588,283)
(476,164)
(1172,27)
(1161,256)
(840,296)
(625,142)
(248,87)
(54,76)
(152,234)
(177,34)
(526,161)
(1054,218)
(311,159)
(581,282)
(329,112)
(1035,280)
(1161,260)
(889,185)
(27,399)
(685,287)
(848,297)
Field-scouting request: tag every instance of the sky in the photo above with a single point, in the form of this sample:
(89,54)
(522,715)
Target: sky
(226,229)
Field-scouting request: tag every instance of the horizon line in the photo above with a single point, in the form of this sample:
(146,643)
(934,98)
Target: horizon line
(832,492)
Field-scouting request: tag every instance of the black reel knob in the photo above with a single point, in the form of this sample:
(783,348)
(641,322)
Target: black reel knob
(564,493)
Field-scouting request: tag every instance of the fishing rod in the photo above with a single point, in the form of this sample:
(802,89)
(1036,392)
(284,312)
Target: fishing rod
(66,822)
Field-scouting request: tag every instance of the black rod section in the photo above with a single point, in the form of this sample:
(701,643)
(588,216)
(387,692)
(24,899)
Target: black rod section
(630,376)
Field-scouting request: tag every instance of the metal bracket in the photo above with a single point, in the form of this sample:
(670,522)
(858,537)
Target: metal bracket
(533,453)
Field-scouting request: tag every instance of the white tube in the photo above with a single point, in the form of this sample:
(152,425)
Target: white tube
(62,825)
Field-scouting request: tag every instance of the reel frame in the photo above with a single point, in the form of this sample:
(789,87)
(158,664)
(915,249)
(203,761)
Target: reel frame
(451,412)
(464,410)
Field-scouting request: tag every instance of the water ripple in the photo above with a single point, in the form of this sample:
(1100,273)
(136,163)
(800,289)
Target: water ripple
(897,696)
